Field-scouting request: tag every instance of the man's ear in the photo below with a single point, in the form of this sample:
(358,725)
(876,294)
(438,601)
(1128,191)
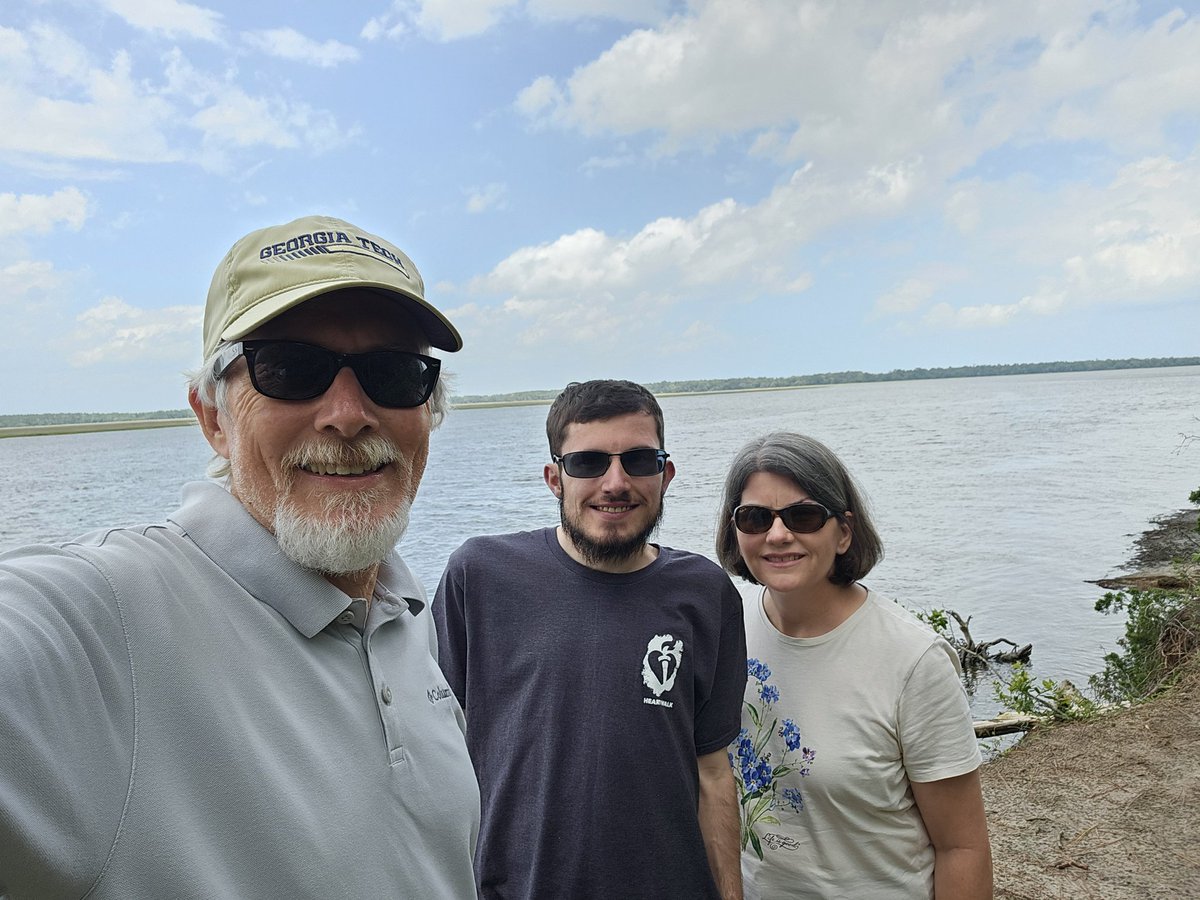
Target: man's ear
(210,424)
(668,474)
(553,478)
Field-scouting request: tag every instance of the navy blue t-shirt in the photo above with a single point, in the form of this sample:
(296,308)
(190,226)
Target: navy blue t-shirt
(588,697)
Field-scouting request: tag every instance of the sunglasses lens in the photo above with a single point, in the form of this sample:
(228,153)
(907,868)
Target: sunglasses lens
(640,463)
(800,518)
(753,519)
(287,371)
(394,378)
(803,518)
(593,463)
(585,463)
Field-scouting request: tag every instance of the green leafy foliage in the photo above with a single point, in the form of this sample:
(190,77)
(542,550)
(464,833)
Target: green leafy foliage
(1023,693)
(1161,633)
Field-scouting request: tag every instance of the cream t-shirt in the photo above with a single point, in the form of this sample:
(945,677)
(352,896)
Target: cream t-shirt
(880,703)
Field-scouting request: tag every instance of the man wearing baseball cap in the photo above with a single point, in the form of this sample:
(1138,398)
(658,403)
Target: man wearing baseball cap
(243,700)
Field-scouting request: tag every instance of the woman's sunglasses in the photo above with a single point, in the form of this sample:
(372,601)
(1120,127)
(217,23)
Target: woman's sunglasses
(290,370)
(799,518)
(594,463)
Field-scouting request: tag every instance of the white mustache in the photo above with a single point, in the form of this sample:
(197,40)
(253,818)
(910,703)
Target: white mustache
(363,455)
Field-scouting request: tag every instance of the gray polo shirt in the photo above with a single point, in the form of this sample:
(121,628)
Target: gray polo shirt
(186,713)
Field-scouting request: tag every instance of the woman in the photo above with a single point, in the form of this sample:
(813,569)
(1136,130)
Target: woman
(857,764)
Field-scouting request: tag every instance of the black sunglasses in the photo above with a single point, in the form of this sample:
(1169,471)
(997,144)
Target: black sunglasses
(799,518)
(290,370)
(594,463)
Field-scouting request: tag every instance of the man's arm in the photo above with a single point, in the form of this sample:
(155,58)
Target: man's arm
(719,822)
(957,824)
(451,626)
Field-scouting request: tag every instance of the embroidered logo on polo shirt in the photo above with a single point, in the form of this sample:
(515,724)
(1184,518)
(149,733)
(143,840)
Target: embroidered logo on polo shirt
(439,693)
(660,665)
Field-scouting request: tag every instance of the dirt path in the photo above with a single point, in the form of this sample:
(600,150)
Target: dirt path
(1106,809)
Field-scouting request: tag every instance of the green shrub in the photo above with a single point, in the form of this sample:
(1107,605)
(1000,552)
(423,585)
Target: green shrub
(1161,633)
(1024,694)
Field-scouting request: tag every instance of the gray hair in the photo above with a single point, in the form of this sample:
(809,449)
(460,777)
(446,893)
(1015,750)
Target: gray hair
(212,392)
(817,471)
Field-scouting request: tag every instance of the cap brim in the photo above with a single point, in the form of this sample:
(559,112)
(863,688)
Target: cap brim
(438,330)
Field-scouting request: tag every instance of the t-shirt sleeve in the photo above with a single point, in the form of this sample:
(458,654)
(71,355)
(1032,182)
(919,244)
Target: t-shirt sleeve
(449,615)
(719,719)
(936,736)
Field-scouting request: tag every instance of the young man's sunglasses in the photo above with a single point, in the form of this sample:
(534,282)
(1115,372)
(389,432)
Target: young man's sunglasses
(290,370)
(594,463)
(799,518)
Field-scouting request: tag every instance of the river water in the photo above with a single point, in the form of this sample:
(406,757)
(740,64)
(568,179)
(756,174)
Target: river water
(999,497)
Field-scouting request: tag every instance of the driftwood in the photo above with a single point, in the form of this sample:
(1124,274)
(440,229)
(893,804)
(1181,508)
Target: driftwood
(971,653)
(1006,723)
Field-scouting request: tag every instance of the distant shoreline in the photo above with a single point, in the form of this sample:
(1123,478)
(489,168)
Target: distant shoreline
(661,389)
(139,424)
(89,427)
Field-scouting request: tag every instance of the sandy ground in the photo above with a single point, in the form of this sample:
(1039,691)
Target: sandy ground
(1108,808)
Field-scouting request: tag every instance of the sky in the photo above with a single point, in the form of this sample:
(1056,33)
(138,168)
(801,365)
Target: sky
(643,189)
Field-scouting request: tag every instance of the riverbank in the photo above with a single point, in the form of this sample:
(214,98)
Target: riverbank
(1105,808)
(133,424)
(88,427)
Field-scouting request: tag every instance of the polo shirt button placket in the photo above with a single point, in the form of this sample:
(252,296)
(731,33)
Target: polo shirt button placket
(386,695)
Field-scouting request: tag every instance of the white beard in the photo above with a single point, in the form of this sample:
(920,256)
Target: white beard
(341,542)
(347,535)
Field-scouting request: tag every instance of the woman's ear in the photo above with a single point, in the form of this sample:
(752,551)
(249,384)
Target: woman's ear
(846,527)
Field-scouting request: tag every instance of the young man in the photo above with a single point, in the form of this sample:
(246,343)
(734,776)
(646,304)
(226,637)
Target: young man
(602,677)
(243,701)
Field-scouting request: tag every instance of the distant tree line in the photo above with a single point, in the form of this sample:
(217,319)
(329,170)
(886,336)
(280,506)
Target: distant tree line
(37,419)
(752,383)
(692,387)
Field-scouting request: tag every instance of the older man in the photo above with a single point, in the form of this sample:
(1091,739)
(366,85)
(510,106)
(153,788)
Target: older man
(243,701)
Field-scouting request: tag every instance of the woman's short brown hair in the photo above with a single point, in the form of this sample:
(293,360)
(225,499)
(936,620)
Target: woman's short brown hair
(817,471)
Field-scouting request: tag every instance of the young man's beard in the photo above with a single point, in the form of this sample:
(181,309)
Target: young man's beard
(615,550)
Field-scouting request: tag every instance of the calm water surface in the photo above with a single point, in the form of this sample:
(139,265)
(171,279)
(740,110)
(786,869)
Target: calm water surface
(997,497)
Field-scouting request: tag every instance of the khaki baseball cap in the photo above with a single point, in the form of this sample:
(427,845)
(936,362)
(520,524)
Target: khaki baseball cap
(270,271)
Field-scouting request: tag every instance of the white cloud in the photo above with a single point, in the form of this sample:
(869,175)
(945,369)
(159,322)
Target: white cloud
(862,82)
(230,119)
(115,331)
(1134,240)
(637,11)
(440,20)
(915,292)
(589,283)
(991,315)
(41,213)
(20,280)
(907,297)
(450,20)
(543,94)
(55,104)
(169,17)
(58,106)
(391,25)
(289,44)
(492,196)
(237,119)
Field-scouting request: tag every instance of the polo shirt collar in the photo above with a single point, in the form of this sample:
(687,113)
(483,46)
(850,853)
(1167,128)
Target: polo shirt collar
(223,529)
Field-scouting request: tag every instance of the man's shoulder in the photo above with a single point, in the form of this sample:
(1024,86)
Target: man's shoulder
(85,550)
(695,563)
(488,545)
